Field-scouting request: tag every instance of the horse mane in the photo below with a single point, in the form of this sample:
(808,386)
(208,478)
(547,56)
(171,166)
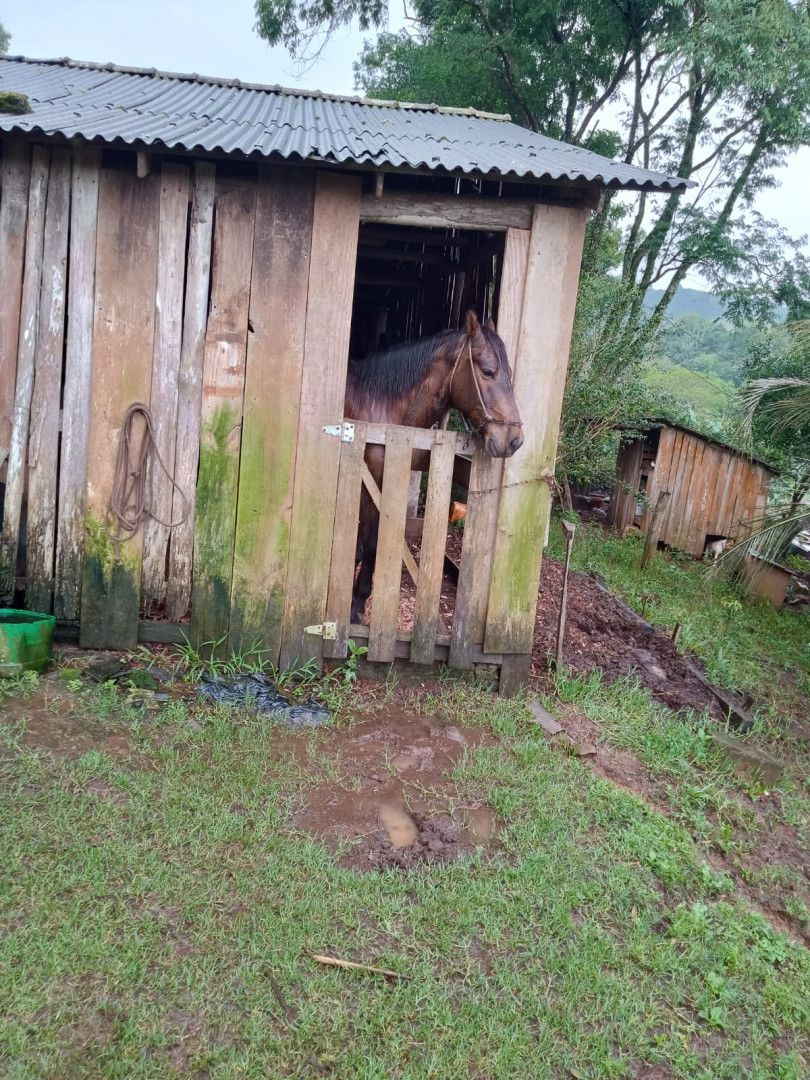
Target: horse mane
(390,374)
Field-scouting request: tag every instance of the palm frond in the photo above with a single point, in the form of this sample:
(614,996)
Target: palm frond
(790,412)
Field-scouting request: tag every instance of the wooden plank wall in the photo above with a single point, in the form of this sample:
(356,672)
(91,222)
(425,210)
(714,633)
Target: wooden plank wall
(714,491)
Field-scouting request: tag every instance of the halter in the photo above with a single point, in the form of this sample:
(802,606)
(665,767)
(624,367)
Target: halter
(488,418)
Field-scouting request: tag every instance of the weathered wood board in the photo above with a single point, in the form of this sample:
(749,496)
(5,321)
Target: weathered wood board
(43,438)
(165,374)
(431,555)
(15,176)
(26,357)
(221,415)
(189,390)
(123,333)
(388,570)
(275,358)
(81,301)
(549,299)
(323,388)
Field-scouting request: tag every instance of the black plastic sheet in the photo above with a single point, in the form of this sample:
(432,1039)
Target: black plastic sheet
(260,692)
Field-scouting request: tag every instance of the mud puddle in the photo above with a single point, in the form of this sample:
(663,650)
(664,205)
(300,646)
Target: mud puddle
(394,802)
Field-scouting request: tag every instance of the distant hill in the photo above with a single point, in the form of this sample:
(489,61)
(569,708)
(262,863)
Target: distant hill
(688,302)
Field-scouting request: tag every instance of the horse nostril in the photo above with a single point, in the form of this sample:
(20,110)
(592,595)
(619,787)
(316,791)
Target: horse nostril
(516,443)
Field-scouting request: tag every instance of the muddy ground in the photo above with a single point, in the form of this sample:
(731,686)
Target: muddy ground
(601,632)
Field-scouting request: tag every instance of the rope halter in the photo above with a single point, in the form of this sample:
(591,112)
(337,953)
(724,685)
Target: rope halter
(488,417)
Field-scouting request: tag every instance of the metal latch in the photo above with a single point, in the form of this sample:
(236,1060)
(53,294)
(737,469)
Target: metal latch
(325,630)
(344,431)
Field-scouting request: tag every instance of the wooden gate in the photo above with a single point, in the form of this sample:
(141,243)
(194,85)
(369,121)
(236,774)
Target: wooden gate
(424,642)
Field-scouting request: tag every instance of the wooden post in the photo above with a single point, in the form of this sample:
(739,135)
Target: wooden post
(547,320)
(26,353)
(653,532)
(43,439)
(275,358)
(78,370)
(569,528)
(323,389)
(189,390)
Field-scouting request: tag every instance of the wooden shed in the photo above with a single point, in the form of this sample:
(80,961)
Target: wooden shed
(716,492)
(214,250)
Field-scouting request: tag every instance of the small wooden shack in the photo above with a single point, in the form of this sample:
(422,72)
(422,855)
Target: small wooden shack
(716,492)
(214,249)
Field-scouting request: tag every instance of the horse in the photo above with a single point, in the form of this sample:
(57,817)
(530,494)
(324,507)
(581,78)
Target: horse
(414,384)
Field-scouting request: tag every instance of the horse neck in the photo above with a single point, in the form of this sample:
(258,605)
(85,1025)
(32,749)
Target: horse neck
(429,399)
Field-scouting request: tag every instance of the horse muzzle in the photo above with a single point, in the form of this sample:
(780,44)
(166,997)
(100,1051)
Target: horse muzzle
(502,440)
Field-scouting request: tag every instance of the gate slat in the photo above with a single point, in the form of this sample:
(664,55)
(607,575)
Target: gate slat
(43,440)
(189,390)
(165,371)
(344,541)
(388,572)
(81,302)
(123,335)
(431,557)
(221,415)
(29,320)
(472,596)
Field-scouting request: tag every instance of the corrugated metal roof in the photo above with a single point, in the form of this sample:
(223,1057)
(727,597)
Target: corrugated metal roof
(193,112)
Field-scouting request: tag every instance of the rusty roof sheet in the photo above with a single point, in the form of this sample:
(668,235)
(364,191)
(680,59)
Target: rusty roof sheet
(197,113)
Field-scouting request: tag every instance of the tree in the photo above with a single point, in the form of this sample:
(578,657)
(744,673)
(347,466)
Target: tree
(5,40)
(717,91)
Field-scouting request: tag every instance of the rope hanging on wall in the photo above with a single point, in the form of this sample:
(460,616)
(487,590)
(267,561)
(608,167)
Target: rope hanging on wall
(128,504)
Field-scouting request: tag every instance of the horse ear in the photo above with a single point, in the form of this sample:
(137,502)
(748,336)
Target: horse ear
(490,325)
(473,326)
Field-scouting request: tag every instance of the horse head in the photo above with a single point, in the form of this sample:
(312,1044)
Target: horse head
(481,388)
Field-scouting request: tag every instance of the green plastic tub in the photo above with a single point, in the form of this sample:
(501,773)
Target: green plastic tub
(26,641)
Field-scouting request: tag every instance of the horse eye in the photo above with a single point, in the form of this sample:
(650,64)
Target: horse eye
(488,373)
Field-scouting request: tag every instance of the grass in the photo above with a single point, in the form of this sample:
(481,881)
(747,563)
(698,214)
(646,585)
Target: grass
(746,644)
(158,915)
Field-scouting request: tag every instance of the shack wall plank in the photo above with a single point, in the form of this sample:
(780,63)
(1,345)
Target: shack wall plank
(16,174)
(275,357)
(431,556)
(189,390)
(323,388)
(674,478)
(165,372)
(81,302)
(123,333)
(221,414)
(716,489)
(26,354)
(542,358)
(43,439)
(388,570)
(691,496)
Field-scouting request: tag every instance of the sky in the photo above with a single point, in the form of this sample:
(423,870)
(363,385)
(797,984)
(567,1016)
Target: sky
(216,37)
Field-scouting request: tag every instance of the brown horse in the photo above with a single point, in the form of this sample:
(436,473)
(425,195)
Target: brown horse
(415,384)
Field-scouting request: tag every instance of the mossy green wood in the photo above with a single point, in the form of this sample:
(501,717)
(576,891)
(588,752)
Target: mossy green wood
(555,251)
(221,417)
(323,388)
(126,273)
(275,358)
(26,639)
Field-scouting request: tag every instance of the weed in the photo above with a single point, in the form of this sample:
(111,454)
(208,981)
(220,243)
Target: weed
(22,685)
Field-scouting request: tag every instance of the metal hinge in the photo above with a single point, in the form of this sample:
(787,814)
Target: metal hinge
(325,630)
(344,431)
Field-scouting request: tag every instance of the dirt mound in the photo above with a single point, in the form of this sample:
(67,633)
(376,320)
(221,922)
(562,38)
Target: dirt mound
(601,633)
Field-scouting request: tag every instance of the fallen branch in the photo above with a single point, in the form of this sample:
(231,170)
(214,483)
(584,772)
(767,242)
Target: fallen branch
(333,961)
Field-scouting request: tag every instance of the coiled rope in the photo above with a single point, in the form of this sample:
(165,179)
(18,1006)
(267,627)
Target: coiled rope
(128,499)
